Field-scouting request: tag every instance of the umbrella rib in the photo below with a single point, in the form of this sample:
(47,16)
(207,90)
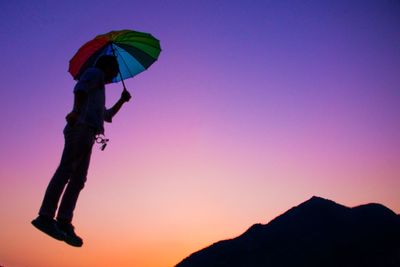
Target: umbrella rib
(122,58)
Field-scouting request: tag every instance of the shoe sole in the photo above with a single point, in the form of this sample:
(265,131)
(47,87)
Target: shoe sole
(72,243)
(38,226)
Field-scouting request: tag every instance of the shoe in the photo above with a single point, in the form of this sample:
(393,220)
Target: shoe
(49,227)
(71,237)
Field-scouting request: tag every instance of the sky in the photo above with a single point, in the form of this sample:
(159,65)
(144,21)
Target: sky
(252,108)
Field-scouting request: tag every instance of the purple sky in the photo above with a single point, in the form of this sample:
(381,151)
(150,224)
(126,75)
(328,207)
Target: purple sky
(252,107)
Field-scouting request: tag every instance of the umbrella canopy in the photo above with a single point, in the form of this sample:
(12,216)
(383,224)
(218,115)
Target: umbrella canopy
(135,51)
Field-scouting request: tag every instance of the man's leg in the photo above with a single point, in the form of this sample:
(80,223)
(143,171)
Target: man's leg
(68,203)
(45,222)
(74,187)
(60,178)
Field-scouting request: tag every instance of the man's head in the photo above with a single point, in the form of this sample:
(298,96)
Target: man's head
(109,65)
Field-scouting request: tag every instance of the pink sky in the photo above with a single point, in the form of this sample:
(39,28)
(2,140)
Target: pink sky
(250,110)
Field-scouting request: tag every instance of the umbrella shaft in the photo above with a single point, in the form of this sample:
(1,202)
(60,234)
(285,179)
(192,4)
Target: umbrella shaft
(122,80)
(119,70)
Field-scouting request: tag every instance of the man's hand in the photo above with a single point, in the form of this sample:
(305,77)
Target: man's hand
(72,118)
(125,96)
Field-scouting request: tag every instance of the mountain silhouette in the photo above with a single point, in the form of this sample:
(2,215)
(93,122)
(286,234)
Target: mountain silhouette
(318,232)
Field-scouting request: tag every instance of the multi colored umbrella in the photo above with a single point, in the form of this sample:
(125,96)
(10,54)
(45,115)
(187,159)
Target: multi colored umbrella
(135,52)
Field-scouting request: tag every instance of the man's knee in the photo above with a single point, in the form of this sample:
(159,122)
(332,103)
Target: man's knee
(78,183)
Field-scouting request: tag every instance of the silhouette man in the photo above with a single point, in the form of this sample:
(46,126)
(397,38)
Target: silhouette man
(84,123)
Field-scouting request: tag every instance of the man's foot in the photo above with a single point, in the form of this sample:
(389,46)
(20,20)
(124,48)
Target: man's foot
(49,227)
(71,237)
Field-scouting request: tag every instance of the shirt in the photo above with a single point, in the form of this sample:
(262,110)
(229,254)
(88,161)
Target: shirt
(93,111)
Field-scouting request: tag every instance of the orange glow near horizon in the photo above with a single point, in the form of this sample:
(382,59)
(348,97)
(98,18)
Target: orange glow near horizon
(249,111)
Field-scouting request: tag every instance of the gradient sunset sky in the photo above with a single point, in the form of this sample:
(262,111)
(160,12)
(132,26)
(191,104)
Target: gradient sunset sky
(252,108)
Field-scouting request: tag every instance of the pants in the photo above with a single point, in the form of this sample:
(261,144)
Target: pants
(71,173)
